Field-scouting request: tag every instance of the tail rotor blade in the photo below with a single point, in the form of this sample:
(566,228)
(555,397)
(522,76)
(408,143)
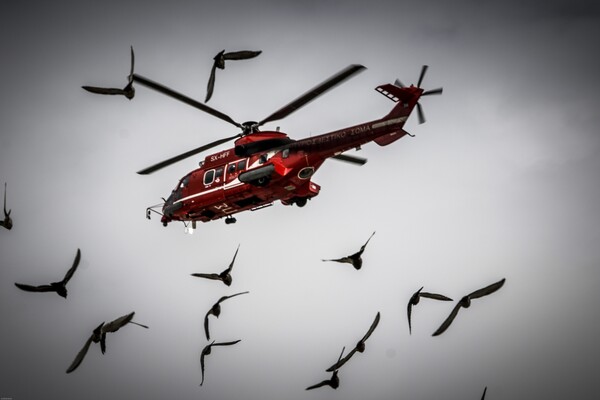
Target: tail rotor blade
(420,113)
(423,70)
(433,91)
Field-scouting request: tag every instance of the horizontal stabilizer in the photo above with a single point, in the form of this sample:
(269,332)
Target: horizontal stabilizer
(395,93)
(391,137)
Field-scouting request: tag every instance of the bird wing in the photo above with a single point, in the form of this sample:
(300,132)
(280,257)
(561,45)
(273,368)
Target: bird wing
(138,324)
(409,311)
(103,342)
(318,385)
(227,343)
(228,297)
(211,83)
(362,248)
(29,288)
(204,352)
(241,55)
(341,260)
(341,362)
(487,290)
(372,328)
(115,325)
(132,64)
(73,268)
(448,320)
(206,325)
(232,261)
(435,296)
(208,276)
(342,353)
(79,357)
(99,90)
(5,213)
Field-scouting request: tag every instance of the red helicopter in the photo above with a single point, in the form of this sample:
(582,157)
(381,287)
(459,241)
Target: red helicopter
(265,166)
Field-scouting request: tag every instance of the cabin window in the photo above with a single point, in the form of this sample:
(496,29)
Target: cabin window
(285,153)
(231,169)
(209,176)
(262,159)
(218,173)
(241,165)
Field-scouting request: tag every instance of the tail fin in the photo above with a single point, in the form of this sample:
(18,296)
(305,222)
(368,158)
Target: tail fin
(406,97)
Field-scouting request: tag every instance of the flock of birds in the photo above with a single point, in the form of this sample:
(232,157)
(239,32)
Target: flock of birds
(99,333)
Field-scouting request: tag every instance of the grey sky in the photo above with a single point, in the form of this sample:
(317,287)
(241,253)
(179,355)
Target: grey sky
(501,181)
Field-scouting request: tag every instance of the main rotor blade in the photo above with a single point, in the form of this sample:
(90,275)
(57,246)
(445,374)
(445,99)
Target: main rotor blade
(183,98)
(314,93)
(351,159)
(187,154)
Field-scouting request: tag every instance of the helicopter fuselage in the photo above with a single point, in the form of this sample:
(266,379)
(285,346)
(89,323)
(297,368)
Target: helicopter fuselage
(246,178)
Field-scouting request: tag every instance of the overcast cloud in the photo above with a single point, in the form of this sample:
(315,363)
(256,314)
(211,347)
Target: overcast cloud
(500,182)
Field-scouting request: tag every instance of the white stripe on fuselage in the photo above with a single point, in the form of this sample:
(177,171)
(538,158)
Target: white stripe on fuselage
(389,122)
(234,183)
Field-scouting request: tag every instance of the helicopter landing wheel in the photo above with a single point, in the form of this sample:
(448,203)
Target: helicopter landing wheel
(301,201)
(230,220)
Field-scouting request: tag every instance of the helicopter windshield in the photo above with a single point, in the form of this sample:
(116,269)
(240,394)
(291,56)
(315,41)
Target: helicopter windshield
(184,181)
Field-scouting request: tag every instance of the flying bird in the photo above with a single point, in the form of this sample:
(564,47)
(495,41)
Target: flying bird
(416,297)
(207,350)
(99,336)
(334,381)
(114,326)
(465,302)
(7,222)
(220,63)
(224,276)
(59,287)
(354,259)
(216,311)
(360,346)
(128,91)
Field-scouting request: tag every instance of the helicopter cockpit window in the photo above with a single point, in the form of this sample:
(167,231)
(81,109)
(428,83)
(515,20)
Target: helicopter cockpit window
(209,176)
(285,153)
(241,165)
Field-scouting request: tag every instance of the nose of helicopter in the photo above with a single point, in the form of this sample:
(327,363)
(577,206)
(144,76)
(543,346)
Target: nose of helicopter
(171,205)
